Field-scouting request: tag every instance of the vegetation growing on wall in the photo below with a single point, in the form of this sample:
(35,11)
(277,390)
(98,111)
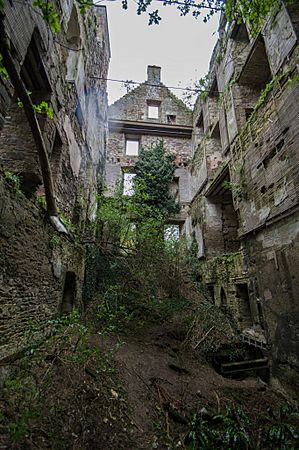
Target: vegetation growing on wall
(130,228)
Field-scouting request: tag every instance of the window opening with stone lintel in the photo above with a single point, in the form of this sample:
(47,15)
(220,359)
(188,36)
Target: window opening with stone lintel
(33,72)
(132,146)
(153,109)
(254,77)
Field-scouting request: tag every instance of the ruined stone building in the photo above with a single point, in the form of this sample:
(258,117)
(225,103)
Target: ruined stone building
(41,271)
(239,194)
(236,173)
(145,115)
(244,181)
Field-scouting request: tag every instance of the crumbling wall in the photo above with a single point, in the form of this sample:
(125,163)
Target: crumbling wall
(34,263)
(129,119)
(248,243)
(42,272)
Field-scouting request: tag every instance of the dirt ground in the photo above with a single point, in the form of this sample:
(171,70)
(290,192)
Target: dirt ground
(134,389)
(166,383)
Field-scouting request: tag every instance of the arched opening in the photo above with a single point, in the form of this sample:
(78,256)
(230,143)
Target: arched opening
(69,293)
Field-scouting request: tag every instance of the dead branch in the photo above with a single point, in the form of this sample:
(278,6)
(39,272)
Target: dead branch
(204,337)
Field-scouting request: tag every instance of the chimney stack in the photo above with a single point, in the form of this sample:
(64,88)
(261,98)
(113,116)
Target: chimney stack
(153,74)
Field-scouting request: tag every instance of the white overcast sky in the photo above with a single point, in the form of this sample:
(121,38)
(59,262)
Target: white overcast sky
(181,46)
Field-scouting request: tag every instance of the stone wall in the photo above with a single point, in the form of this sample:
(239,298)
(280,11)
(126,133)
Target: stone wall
(133,105)
(42,272)
(246,143)
(129,119)
(34,263)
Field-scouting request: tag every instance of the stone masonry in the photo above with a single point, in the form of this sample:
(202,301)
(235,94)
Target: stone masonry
(132,119)
(42,272)
(243,217)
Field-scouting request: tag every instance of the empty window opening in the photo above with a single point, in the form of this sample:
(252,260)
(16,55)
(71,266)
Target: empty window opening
(211,291)
(69,293)
(33,72)
(256,73)
(73,37)
(128,184)
(55,157)
(240,33)
(229,225)
(199,126)
(242,295)
(172,232)
(214,91)
(216,132)
(171,118)
(220,194)
(223,299)
(73,30)
(132,147)
(153,110)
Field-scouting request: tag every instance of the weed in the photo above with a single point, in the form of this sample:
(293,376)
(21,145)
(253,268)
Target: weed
(41,200)
(54,241)
(13,180)
(67,223)
(235,188)
(232,430)
(283,433)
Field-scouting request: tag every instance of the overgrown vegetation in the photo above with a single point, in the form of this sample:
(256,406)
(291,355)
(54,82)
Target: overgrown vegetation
(65,389)
(13,180)
(233,429)
(130,248)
